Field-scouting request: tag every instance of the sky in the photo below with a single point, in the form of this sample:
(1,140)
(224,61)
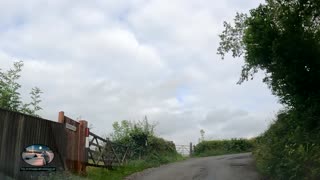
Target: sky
(112,60)
(37,147)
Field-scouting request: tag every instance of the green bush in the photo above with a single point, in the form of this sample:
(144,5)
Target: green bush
(159,145)
(219,147)
(288,150)
(140,137)
(146,150)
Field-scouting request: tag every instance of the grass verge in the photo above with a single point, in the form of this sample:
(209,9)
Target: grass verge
(217,153)
(118,173)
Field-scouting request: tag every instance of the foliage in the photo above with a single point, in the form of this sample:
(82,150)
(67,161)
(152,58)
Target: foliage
(219,147)
(141,138)
(9,92)
(32,107)
(287,150)
(147,150)
(283,39)
(9,95)
(139,131)
(201,135)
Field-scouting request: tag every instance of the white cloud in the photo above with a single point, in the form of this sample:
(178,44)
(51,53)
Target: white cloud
(112,60)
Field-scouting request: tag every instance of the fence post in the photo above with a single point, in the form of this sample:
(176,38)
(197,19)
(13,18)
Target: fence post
(61,120)
(82,156)
(61,117)
(190,149)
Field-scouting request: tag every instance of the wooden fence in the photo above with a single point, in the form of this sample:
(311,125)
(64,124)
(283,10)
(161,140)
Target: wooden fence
(66,138)
(17,131)
(73,146)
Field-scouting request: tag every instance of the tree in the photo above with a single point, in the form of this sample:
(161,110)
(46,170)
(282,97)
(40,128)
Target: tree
(34,106)
(9,92)
(9,95)
(282,38)
(126,130)
(202,135)
(121,131)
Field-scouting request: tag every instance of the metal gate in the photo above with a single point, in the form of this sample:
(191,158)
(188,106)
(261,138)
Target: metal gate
(185,150)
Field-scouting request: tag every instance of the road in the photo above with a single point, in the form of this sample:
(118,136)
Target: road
(35,159)
(227,167)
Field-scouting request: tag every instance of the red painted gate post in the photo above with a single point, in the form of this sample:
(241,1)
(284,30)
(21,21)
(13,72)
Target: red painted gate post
(61,117)
(82,156)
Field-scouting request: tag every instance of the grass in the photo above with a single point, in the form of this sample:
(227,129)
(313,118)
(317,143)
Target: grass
(61,175)
(95,173)
(118,173)
(217,153)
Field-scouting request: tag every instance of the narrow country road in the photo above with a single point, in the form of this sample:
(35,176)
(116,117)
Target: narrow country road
(226,167)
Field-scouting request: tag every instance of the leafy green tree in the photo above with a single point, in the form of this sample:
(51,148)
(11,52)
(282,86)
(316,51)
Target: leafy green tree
(10,97)
(121,131)
(128,130)
(282,38)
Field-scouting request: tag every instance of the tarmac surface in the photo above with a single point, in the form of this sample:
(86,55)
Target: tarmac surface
(226,167)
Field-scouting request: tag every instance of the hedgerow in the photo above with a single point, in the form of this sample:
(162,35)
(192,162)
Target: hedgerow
(219,147)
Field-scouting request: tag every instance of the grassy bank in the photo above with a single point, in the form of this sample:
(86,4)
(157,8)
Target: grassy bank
(220,147)
(289,149)
(132,167)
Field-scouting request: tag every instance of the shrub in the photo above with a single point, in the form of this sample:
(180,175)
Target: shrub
(141,139)
(288,150)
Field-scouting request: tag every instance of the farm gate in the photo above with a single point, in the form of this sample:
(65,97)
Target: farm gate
(104,153)
(185,150)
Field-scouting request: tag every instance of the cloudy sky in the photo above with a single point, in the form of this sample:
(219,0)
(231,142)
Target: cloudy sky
(109,60)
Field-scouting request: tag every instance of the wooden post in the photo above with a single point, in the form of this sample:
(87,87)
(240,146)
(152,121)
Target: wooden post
(190,149)
(62,120)
(82,147)
(61,117)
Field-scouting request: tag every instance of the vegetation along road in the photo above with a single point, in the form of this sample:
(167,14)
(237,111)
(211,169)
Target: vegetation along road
(226,167)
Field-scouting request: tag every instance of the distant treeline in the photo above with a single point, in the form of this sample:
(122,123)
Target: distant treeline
(219,147)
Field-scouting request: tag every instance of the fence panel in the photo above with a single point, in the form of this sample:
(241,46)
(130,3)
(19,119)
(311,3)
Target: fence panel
(17,131)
